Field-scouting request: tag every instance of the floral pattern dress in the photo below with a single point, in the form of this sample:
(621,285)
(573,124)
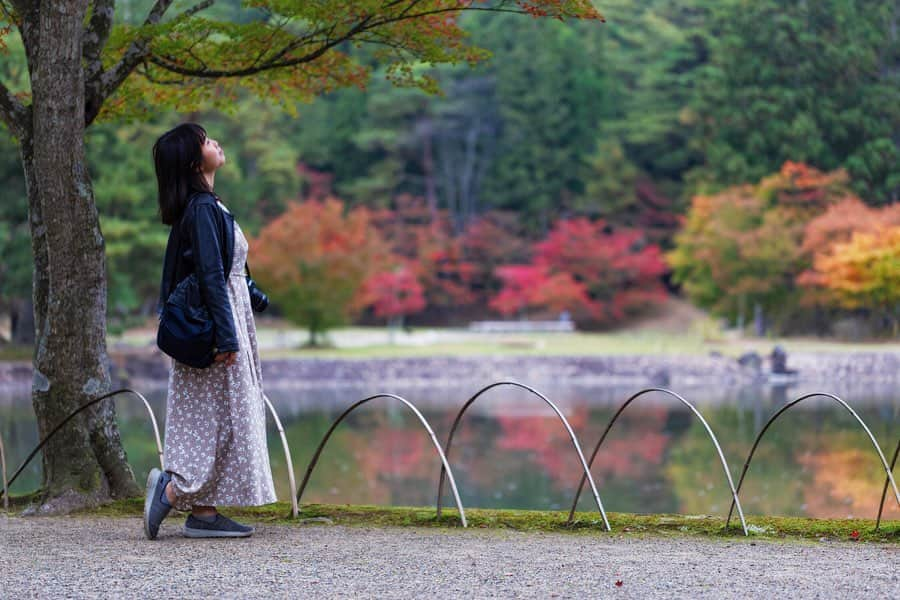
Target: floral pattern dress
(215,436)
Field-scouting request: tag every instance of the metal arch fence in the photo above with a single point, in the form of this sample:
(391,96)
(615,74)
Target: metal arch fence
(884,490)
(437,446)
(787,406)
(565,422)
(445,469)
(159,448)
(708,430)
(295,510)
(78,411)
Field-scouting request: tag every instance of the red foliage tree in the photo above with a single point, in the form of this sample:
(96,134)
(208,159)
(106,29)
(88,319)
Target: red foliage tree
(394,293)
(600,276)
(426,242)
(493,239)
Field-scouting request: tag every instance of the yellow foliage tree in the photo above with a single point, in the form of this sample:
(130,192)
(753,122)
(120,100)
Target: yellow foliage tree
(865,272)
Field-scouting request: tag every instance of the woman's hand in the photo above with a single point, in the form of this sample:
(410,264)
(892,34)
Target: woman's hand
(229,358)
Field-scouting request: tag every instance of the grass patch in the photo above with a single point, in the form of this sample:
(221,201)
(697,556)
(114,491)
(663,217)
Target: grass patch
(281,340)
(586,523)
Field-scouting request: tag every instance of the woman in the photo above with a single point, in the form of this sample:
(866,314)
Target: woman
(215,448)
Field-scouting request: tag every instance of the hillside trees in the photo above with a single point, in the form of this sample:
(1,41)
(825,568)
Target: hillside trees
(813,82)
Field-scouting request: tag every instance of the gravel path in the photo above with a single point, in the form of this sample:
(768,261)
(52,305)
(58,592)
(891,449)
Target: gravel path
(79,557)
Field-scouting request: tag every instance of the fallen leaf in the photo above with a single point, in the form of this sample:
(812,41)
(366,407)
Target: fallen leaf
(619,583)
(854,535)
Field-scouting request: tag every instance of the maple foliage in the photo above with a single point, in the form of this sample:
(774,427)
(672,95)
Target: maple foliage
(600,276)
(493,239)
(314,259)
(836,226)
(394,293)
(864,272)
(425,241)
(290,51)
(744,245)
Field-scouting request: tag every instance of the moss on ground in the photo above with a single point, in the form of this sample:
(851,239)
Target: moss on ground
(586,523)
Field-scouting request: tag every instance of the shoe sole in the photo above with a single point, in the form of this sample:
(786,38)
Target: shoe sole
(212,533)
(152,480)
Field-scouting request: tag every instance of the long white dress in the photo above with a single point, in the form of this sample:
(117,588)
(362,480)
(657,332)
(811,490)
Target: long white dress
(215,437)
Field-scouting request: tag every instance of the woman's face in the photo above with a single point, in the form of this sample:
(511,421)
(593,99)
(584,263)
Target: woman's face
(213,155)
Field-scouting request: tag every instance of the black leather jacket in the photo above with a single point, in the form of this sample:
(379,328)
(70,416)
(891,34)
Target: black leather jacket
(203,243)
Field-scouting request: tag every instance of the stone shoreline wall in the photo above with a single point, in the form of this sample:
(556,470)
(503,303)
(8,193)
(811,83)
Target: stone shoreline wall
(655,370)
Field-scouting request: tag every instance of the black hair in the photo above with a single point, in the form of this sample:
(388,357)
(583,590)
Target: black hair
(177,156)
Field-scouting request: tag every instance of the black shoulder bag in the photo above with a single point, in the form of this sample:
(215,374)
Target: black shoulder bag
(186,329)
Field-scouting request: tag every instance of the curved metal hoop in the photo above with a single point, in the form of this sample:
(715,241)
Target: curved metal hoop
(884,491)
(705,425)
(3,475)
(789,405)
(287,455)
(437,446)
(565,422)
(79,410)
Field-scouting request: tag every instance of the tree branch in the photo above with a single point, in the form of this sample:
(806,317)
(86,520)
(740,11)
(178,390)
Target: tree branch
(195,9)
(136,53)
(13,113)
(95,36)
(98,28)
(365,25)
(7,10)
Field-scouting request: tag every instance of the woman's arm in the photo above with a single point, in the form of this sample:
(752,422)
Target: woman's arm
(206,246)
(259,301)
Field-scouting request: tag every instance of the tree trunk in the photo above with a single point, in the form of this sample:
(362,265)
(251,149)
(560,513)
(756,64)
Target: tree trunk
(759,321)
(85,463)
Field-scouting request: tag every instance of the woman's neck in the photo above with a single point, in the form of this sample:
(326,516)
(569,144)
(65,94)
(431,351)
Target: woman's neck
(210,178)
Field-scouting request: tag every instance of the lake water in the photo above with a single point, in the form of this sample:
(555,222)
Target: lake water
(511,451)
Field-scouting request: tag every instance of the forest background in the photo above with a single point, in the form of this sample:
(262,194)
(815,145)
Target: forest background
(746,155)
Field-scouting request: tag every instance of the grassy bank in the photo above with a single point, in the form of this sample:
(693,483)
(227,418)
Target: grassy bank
(282,341)
(586,523)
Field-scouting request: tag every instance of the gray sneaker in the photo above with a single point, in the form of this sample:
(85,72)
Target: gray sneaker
(155,510)
(221,527)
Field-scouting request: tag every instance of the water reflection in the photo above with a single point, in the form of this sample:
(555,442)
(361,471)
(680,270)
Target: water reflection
(512,452)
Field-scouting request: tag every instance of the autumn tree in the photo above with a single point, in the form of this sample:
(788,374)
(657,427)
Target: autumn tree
(313,261)
(493,239)
(394,294)
(742,248)
(601,276)
(833,228)
(84,64)
(854,260)
(864,272)
(424,238)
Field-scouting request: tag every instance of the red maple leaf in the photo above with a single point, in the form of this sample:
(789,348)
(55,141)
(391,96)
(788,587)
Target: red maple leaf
(618,583)
(854,535)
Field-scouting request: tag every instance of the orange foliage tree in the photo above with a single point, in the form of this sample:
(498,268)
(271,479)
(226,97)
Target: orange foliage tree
(743,247)
(313,261)
(828,232)
(864,272)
